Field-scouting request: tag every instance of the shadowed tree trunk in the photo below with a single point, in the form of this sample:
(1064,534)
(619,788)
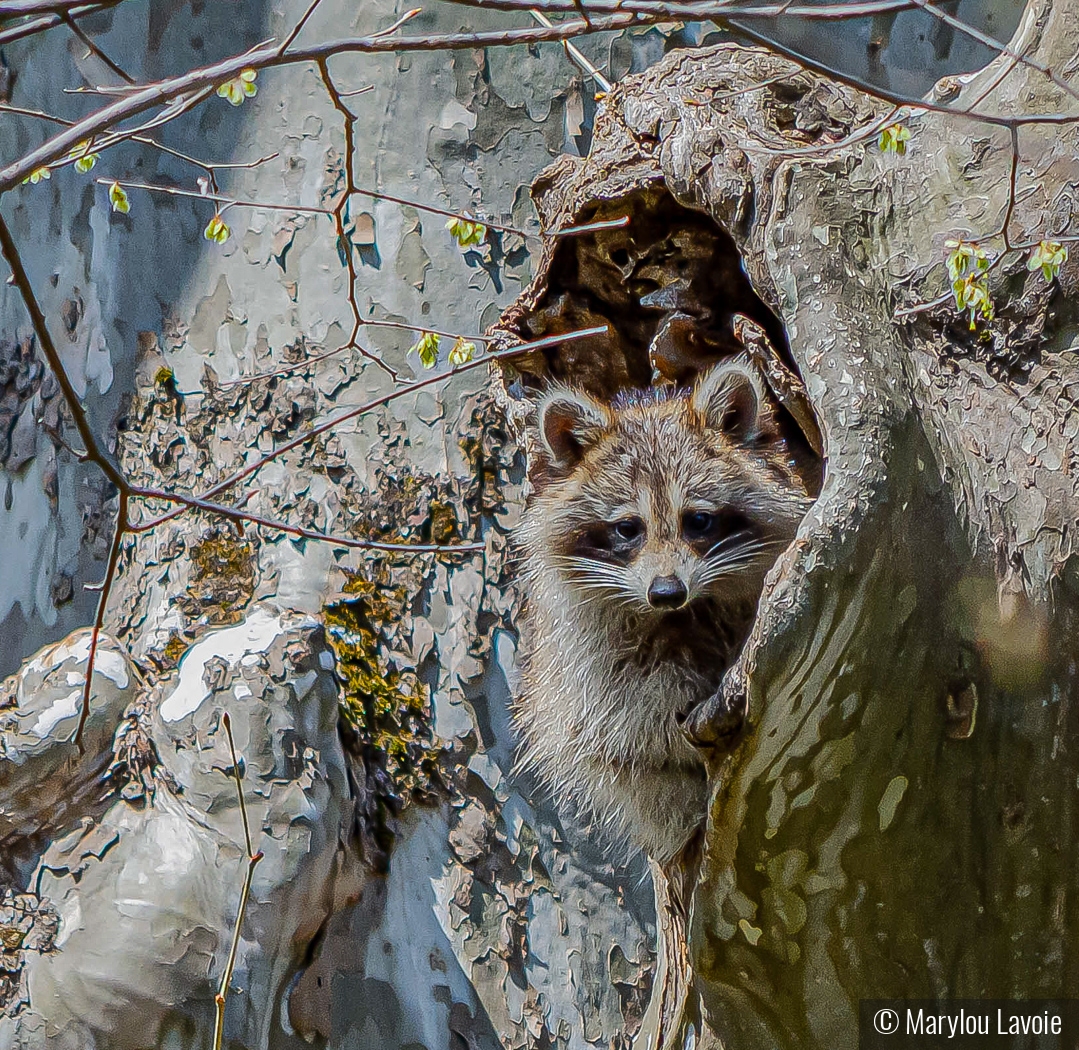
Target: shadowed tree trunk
(898,817)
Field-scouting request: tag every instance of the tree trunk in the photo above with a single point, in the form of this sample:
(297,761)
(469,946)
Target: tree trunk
(899,818)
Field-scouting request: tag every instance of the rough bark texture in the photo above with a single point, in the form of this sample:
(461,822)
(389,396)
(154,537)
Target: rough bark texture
(899,818)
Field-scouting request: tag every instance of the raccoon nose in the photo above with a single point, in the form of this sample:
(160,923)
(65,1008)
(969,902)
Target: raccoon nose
(667,592)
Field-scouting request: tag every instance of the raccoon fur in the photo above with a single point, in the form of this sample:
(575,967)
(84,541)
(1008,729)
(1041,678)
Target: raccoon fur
(643,553)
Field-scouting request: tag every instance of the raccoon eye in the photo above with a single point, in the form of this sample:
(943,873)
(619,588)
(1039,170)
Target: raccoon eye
(628,528)
(709,526)
(697,523)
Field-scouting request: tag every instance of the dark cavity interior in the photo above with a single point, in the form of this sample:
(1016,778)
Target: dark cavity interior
(672,289)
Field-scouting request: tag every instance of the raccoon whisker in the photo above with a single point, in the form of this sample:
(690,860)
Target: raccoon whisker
(599,578)
(737,538)
(738,555)
(731,567)
(588,565)
(748,543)
(705,582)
(613,585)
(585,572)
(588,601)
(599,583)
(601,588)
(610,596)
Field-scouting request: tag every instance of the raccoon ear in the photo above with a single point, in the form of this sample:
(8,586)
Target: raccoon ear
(730,398)
(570,423)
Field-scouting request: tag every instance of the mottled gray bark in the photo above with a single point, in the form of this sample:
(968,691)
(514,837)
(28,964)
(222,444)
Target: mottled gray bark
(122,868)
(898,819)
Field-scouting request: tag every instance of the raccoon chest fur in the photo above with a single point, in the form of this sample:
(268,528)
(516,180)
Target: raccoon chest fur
(643,554)
(602,700)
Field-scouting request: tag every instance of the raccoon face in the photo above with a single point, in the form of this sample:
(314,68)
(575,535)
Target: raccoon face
(657,503)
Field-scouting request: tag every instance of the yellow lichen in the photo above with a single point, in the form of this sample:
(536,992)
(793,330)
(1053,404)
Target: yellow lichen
(173,649)
(443,522)
(388,708)
(223,578)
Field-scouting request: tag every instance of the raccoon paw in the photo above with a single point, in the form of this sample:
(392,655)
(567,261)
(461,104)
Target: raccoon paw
(716,723)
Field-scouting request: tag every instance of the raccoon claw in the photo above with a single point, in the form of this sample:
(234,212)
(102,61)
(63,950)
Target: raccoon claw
(716,723)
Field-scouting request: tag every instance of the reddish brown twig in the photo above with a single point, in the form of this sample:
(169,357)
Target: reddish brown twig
(378,402)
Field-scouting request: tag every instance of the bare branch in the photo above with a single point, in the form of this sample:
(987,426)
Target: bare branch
(178,90)
(309,435)
(94,451)
(216,198)
(119,529)
(93,48)
(575,53)
(298,27)
(895,98)
(238,515)
(39,25)
(367,322)
(698,10)
(995,45)
(208,166)
(20,8)
(344,236)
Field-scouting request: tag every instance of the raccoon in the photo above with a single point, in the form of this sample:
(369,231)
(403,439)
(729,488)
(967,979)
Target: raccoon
(643,554)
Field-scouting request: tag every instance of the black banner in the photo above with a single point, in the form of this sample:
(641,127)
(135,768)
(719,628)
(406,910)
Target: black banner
(968,1024)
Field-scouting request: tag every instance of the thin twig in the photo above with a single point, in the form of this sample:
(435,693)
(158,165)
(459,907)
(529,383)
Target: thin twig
(203,79)
(1001,231)
(406,17)
(698,10)
(208,78)
(295,366)
(22,8)
(824,148)
(39,25)
(99,617)
(209,166)
(89,440)
(215,198)
(236,514)
(252,860)
(894,97)
(309,435)
(344,235)
(995,45)
(93,48)
(299,25)
(574,52)
(232,202)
